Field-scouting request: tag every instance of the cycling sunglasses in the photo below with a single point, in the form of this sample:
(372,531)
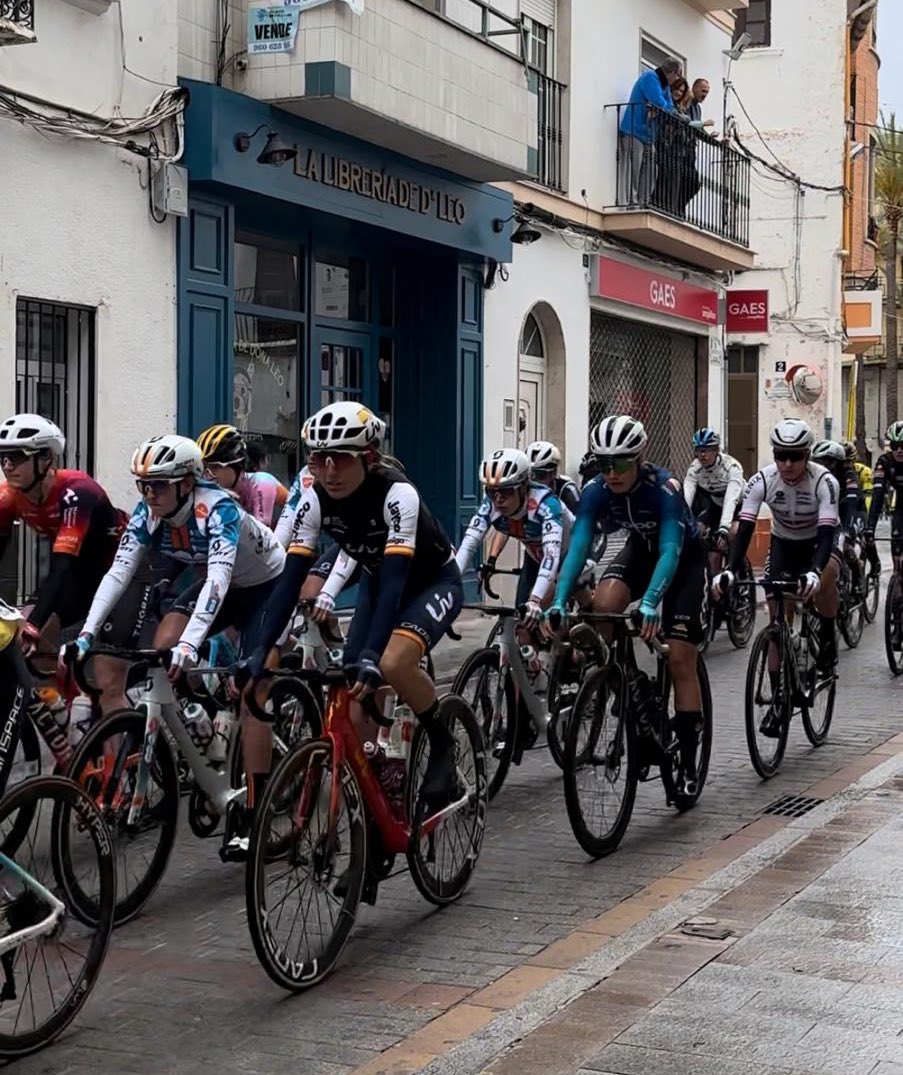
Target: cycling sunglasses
(501,494)
(338,460)
(619,464)
(896,445)
(14,457)
(782,456)
(157,486)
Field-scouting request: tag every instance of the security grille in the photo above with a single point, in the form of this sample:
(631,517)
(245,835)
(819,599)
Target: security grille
(55,378)
(649,373)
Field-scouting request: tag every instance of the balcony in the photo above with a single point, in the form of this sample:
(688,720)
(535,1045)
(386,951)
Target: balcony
(679,191)
(442,81)
(550,131)
(706,6)
(863,304)
(17,22)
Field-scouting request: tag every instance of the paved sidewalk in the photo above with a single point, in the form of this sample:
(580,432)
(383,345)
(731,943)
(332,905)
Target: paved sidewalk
(791,964)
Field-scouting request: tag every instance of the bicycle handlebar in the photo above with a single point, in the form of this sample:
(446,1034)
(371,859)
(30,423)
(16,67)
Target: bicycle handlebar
(486,575)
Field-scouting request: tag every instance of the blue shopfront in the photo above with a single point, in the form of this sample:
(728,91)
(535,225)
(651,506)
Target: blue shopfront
(347,272)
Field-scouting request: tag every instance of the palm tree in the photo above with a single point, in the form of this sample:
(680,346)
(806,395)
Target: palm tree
(889,195)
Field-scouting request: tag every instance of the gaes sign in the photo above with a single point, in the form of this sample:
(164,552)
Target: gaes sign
(747,311)
(654,291)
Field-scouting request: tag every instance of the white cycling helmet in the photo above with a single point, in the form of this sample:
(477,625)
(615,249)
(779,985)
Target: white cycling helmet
(619,434)
(792,434)
(344,426)
(543,455)
(169,456)
(505,468)
(830,450)
(32,433)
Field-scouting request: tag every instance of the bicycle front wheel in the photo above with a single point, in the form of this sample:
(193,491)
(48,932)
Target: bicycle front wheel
(851,618)
(670,769)
(306,867)
(490,694)
(600,762)
(49,977)
(871,580)
(741,617)
(893,624)
(768,706)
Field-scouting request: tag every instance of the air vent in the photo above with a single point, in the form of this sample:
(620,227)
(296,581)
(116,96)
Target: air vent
(792,806)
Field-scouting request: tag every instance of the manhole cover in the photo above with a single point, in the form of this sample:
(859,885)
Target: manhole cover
(792,806)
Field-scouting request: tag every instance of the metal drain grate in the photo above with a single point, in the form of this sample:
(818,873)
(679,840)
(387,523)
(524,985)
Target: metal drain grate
(792,806)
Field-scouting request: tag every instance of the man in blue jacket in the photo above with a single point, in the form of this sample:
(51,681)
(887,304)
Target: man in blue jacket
(637,131)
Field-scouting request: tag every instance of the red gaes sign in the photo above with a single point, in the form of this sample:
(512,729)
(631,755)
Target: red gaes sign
(655,291)
(747,311)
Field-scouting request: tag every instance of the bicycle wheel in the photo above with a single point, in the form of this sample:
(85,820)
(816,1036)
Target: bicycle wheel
(298,923)
(26,764)
(296,716)
(851,617)
(741,618)
(443,856)
(764,698)
(669,772)
(893,624)
(562,692)
(106,766)
(600,762)
(872,582)
(49,977)
(495,708)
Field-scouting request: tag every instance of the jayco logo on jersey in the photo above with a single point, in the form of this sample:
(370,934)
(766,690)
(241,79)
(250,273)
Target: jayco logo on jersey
(395,515)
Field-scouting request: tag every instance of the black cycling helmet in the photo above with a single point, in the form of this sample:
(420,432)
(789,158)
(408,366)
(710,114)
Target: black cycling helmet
(223,444)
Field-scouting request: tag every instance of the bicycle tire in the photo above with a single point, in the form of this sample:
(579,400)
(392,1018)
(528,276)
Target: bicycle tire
(479,664)
(289,728)
(66,799)
(297,975)
(817,734)
(469,822)
(766,768)
(892,600)
(872,589)
(26,765)
(851,616)
(742,622)
(681,800)
(85,771)
(607,684)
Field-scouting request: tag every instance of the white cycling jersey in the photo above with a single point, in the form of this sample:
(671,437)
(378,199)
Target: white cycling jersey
(799,509)
(723,481)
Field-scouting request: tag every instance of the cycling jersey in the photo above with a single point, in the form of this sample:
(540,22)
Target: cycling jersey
(848,484)
(263,496)
(386,527)
(566,490)
(84,526)
(543,527)
(888,474)
(283,529)
(722,481)
(213,532)
(653,513)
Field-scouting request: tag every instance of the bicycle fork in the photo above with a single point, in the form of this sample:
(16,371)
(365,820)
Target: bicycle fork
(157,694)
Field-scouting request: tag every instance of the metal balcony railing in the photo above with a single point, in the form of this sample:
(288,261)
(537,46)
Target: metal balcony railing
(16,21)
(672,167)
(550,132)
(863,281)
(481,19)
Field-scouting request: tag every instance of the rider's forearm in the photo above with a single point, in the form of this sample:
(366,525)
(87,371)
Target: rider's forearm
(469,544)
(209,602)
(732,495)
(392,578)
(740,544)
(342,570)
(824,543)
(670,543)
(575,561)
(877,504)
(112,586)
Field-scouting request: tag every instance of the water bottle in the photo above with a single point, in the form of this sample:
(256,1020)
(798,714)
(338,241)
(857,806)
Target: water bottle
(81,717)
(52,698)
(223,723)
(198,725)
(391,763)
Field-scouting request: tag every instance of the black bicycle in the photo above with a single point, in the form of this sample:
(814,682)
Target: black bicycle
(853,595)
(782,677)
(736,611)
(622,731)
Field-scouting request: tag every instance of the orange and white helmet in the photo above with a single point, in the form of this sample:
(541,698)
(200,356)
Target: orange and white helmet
(169,456)
(505,468)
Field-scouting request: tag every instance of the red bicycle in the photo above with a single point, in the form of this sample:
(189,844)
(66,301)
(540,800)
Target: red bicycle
(326,833)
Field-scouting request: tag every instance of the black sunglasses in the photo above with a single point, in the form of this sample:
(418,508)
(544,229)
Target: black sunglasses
(781,456)
(15,457)
(896,445)
(157,486)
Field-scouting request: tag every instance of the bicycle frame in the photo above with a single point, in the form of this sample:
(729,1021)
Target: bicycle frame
(39,929)
(512,663)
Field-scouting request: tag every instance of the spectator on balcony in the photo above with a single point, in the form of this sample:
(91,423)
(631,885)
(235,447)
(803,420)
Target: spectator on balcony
(638,131)
(700,91)
(677,180)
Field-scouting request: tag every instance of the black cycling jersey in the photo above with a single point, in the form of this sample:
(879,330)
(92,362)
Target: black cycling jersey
(567,492)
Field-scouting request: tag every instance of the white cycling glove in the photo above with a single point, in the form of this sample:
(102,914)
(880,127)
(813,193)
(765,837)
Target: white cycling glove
(721,584)
(809,585)
(324,602)
(532,614)
(184,657)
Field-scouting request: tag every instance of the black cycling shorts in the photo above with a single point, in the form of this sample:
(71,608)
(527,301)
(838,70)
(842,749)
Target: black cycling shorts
(426,617)
(683,608)
(242,608)
(325,562)
(787,560)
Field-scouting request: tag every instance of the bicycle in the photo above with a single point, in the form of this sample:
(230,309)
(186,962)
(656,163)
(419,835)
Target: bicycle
(622,732)
(39,933)
(736,611)
(325,835)
(852,594)
(870,570)
(893,618)
(781,677)
(130,770)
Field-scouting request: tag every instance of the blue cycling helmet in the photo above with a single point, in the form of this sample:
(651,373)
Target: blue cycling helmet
(706,438)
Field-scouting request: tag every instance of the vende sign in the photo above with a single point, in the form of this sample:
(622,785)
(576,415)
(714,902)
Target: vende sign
(654,291)
(747,311)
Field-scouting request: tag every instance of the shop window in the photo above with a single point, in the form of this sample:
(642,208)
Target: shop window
(268,274)
(266,386)
(341,288)
(341,372)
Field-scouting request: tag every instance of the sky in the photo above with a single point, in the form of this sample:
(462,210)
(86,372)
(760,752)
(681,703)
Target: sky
(890,47)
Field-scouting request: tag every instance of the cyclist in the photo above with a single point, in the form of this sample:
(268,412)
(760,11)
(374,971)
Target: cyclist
(545,461)
(225,455)
(803,499)
(70,508)
(192,522)
(833,458)
(588,469)
(515,506)
(411,589)
(864,474)
(888,479)
(662,563)
(712,489)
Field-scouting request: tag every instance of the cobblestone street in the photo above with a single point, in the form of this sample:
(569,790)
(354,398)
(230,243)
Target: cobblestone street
(182,991)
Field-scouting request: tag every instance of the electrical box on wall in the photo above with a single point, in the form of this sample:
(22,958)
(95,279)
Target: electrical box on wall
(93,7)
(169,188)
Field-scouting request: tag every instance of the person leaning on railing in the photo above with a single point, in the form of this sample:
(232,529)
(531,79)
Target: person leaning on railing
(637,132)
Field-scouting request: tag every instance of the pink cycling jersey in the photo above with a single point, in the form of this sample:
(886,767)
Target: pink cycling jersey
(263,496)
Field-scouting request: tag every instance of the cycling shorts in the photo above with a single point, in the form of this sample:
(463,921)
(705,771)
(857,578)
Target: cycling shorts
(243,609)
(787,560)
(426,618)
(708,511)
(683,608)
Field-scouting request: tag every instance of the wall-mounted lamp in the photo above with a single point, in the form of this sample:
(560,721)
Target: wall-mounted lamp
(275,152)
(523,233)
